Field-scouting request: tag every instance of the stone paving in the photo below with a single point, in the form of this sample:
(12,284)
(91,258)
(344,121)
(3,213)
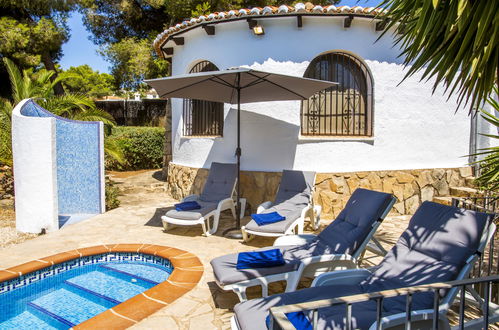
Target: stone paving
(206,306)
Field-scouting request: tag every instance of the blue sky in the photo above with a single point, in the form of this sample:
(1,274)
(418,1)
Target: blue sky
(80,50)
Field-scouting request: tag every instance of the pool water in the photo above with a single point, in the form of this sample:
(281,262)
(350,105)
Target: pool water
(69,298)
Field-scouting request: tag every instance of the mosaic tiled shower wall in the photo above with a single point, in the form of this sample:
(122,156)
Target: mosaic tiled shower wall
(79,153)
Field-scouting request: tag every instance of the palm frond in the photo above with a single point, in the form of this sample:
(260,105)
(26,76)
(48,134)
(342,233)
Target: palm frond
(454,42)
(113,150)
(16,79)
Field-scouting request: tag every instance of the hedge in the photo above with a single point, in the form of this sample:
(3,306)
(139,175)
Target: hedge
(142,147)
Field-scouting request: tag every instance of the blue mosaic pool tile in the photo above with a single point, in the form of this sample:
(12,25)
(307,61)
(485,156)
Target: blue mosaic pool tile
(69,306)
(45,300)
(79,161)
(89,260)
(146,272)
(26,320)
(107,285)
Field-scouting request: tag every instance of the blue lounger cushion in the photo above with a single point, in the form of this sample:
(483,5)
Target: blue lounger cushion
(187,206)
(433,248)
(259,259)
(267,218)
(298,319)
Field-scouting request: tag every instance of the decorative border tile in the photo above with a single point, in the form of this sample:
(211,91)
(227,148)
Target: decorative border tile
(187,271)
(55,269)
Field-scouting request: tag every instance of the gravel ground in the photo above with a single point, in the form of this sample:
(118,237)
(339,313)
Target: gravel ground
(8,233)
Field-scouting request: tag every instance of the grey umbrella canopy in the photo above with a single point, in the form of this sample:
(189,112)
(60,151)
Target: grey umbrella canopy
(236,86)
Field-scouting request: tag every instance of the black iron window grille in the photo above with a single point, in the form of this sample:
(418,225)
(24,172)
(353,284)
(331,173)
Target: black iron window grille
(203,118)
(342,110)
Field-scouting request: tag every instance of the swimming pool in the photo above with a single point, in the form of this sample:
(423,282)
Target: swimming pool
(75,291)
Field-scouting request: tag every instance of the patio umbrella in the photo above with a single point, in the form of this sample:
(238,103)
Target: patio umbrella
(236,86)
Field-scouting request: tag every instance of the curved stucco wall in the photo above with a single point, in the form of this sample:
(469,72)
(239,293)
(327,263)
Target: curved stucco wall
(58,166)
(413,128)
(35,172)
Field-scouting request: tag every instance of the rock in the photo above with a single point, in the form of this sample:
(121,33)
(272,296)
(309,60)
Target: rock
(398,191)
(340,183)
(427,193)
(443,200)
(324,185)
(463,192)
(404,177)
(353,184)
(441,187)
(375,181)
(408,190)
(470,182)
(388,184)
(320,177)
(364,183)
(327,199)
(362,175)
(424,178)
(466,171)
(7,203)
(412,204)
(381,174)
(454,179)
(438,173)
(399,207)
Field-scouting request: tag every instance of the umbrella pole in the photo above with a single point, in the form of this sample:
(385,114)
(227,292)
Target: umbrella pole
(236,232)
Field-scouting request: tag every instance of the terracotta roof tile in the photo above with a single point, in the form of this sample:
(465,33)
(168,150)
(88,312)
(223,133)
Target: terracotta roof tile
(266,11)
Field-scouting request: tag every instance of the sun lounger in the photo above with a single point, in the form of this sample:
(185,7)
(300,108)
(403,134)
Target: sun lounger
(338,246)
(441,244)
(216,197)
(293,202)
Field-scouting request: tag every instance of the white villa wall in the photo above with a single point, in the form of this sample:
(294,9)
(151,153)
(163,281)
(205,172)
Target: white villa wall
(413,129)
(35,172)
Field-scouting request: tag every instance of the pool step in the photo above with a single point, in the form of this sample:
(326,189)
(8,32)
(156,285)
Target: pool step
(107,286)
(32,319)
(67,307)
(98,297)
(147,273)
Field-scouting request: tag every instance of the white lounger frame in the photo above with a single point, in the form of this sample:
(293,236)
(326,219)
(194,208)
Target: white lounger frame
(225,204)
(309,267)
(355,276)
(312,211)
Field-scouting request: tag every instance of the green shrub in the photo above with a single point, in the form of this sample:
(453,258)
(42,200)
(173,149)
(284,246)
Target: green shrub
(142,147)
(112,194)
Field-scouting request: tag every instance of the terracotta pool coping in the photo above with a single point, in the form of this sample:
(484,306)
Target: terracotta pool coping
(187,271)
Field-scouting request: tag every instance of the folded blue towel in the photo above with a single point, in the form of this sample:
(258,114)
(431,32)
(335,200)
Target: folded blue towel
(298,319)
(267,218)
(187,206)
(259,259)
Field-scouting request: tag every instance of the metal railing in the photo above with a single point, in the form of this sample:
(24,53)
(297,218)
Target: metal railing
(342,110)
(488,263)
(481,290)
(203,118)
(279,319)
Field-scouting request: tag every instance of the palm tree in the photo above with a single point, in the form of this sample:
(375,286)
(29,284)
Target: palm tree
(5,132)
(456,42)
(489,166)
(40,87)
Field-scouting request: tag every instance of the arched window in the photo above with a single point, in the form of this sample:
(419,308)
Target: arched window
(343,110)
(203,118)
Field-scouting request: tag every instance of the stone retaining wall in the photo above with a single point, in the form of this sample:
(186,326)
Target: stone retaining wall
(6,187)
(411,187)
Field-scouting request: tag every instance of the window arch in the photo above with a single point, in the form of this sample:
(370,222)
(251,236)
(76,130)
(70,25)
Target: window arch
(342,110)
(203,118)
